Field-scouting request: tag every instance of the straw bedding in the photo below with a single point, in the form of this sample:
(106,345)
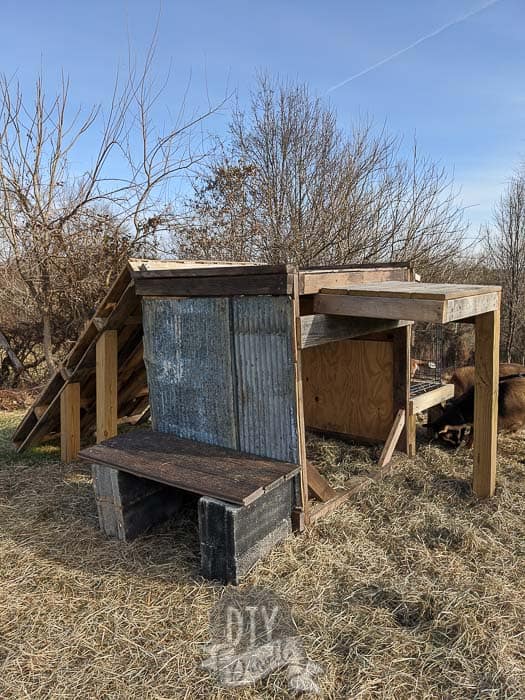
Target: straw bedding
(413,589)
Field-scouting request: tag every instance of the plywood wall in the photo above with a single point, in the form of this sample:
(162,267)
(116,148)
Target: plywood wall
(348,388)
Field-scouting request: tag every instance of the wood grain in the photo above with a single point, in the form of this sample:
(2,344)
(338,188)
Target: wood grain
(275,284)
(106,385)
(486,403)
(70,422)
(401,383)
(392,440)
(207,470)
(413,290)
(317,329)
(317,484)
(312,281)
(348,388)
(423,402)
(437,309)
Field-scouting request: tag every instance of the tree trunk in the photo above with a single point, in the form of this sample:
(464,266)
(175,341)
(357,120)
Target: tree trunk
(48,341)
(13,359)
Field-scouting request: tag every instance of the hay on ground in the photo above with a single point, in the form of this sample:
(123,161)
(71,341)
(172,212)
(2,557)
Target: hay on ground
(413,589)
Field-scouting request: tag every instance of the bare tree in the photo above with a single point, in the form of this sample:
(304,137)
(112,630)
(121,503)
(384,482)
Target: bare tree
(290,186)
(506,255)
(50,213)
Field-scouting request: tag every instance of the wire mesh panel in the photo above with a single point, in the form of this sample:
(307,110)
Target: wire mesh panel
(437,348)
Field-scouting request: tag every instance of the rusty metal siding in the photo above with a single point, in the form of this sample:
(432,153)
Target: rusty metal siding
(221,370)
(187,352)
(265,380)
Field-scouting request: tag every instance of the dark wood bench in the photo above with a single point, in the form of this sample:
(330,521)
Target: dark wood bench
(206,470)
(245,505)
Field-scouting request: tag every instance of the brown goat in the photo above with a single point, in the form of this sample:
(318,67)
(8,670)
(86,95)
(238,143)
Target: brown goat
(463,377)
(452,425)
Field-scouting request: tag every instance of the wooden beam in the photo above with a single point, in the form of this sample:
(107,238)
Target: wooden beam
(392,440)
(414,308)
(459,309)
(411,435)
(318,485)
(312,281)
(227,285)
(319,510)
(431,398)
(134,320)
(486,403)
(401,384)
(106,385)
(171,269)
(299,405)
(317,329)
(70,422)
(379,307)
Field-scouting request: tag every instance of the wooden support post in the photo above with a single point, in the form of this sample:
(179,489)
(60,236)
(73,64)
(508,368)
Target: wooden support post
(411,430)
(107,370)
(401,379)
(391,441)
(70,422)
(486,403)
(301,433)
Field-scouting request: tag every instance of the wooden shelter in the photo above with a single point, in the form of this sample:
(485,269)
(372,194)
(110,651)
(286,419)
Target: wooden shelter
(272,350)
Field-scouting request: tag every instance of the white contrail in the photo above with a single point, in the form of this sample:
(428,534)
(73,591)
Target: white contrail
(414,44)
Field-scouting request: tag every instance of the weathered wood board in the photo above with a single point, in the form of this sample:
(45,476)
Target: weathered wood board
(201,468)
(413,301)
(311,281)
(317,329)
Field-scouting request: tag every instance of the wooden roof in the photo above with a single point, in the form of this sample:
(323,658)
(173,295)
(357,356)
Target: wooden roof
(413,301)
(121,310)
(413,290)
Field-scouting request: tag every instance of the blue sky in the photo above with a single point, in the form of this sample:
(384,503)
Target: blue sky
(461,93)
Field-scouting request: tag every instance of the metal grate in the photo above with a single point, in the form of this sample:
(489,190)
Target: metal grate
(418,388)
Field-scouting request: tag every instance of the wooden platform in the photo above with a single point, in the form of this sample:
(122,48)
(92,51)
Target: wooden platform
(412,301)
(197,467)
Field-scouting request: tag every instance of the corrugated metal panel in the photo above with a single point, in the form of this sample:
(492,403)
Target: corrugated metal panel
(264,368)
(221,370)
(187,352)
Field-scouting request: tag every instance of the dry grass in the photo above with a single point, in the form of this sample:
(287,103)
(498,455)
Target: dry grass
(414,589)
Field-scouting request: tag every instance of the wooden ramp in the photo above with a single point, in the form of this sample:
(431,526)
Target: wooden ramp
(120,310)
(197,467)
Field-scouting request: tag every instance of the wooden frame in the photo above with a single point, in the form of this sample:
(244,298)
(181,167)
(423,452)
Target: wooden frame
(414,301)
(440,303)
(371,302)
(423,402)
